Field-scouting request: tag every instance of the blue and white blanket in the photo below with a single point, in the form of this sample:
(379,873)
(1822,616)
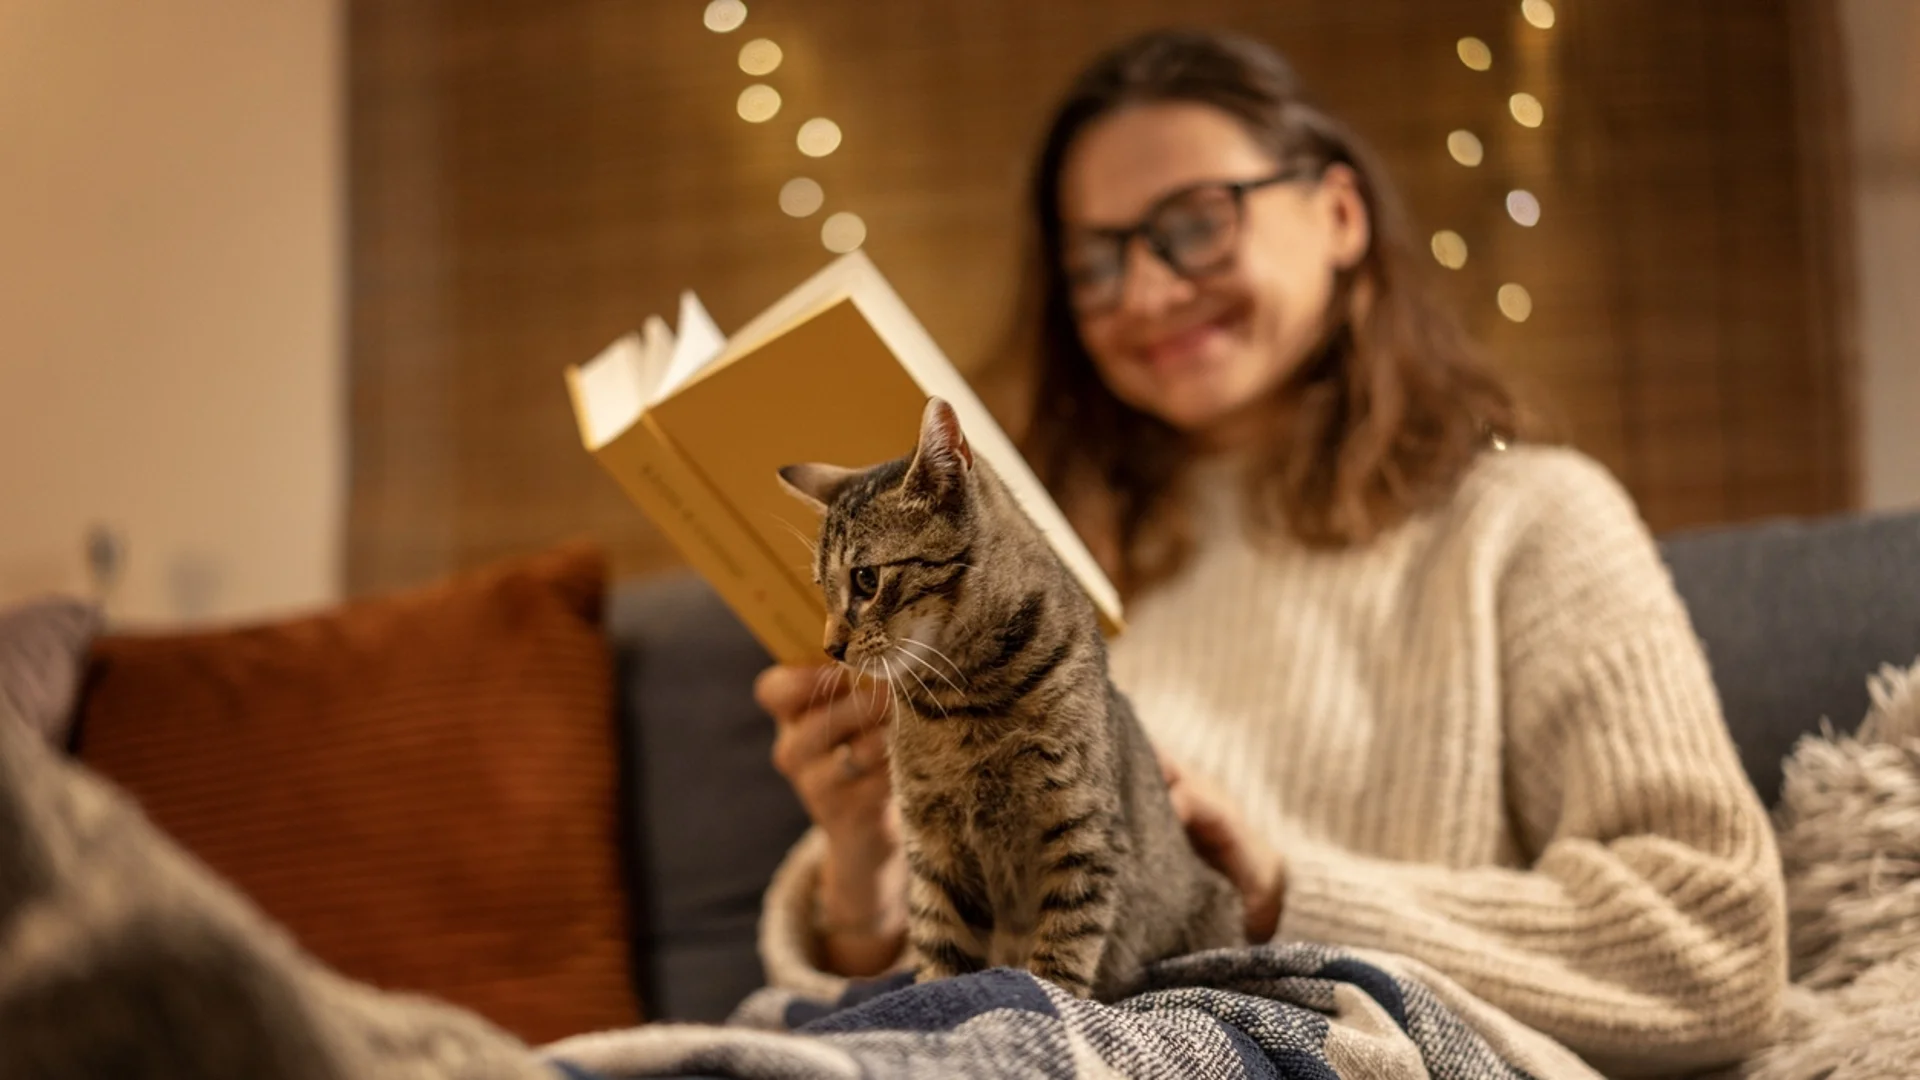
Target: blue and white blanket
(1266,1011)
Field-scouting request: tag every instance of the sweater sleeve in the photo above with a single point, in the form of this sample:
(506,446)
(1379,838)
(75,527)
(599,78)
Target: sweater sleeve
(1647,928)
(789,945)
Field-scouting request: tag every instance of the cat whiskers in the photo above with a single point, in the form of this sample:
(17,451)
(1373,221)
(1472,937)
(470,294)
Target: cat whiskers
(893,690)
(865,671)
(813,548)
(812,567)
(926,693)
(830,684)
(948,660)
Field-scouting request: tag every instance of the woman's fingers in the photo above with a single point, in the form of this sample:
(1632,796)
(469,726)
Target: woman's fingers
(818,734)
(787,690)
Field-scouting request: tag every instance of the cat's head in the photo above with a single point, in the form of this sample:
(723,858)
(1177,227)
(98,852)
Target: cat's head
(896,544)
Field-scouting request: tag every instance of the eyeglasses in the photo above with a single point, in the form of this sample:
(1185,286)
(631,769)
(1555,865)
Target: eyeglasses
(1194,230)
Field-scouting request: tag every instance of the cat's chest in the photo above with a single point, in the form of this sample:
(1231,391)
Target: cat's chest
(985,796)
(990,802)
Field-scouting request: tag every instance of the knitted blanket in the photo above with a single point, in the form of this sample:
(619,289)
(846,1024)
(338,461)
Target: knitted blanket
(1295,1011)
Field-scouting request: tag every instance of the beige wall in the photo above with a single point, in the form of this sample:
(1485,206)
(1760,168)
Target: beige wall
(1883,46)
(170,300)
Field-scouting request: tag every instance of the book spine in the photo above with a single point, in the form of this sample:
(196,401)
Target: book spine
(698,523)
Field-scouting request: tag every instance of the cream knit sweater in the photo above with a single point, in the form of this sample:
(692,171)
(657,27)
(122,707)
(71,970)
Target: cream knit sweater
(1488,742)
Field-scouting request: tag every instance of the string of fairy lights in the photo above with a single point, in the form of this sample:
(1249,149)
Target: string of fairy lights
(843,231)
(759,103)
(1465,147)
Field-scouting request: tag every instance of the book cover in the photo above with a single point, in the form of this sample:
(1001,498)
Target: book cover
(837,371)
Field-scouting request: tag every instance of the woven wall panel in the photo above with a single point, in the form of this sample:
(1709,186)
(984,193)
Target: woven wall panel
(530,179)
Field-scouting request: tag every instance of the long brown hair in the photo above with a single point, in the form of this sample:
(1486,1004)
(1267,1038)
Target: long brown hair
(1380,422)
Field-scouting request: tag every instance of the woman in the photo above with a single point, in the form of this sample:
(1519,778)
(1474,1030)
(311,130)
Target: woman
(1418,690)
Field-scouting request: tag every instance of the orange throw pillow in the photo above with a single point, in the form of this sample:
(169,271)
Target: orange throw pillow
(422,787)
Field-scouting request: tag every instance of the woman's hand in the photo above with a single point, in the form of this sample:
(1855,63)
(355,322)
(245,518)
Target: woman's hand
(830,744)
(1217,833)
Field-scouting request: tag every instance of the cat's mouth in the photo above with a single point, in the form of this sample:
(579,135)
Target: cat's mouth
(870,659)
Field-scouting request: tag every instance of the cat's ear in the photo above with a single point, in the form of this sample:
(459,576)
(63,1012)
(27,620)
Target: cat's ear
(943,459)
(815,484)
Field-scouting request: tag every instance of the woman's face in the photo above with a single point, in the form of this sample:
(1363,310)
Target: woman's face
(1200,350)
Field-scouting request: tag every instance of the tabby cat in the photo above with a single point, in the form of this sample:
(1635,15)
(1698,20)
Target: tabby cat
(1038,830)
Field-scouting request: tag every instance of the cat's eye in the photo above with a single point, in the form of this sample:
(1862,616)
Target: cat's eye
(865,582)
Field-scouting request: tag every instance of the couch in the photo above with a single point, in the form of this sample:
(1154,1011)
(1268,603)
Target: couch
(1794,616)
(683,826)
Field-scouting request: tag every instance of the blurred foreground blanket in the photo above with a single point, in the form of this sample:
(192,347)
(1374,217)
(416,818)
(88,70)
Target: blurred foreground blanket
(121,955)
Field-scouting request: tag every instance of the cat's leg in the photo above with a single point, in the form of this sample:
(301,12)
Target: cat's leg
(1078,901)
(949,922)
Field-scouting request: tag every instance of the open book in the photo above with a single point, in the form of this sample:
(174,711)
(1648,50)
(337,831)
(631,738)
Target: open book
(694,426)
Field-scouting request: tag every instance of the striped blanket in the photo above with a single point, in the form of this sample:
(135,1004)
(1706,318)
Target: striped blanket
(1269,1011)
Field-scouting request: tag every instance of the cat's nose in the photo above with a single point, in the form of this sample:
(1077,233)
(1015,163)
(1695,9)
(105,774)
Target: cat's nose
(838,650)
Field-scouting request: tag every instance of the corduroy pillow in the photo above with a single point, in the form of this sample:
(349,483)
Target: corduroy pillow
(422,787)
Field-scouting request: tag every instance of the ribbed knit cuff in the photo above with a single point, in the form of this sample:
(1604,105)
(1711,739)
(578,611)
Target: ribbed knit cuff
(789,944)
(788,948)
(1329,901)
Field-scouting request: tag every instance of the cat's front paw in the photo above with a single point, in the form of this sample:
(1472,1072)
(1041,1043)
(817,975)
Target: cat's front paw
(1070,981)
(943,959)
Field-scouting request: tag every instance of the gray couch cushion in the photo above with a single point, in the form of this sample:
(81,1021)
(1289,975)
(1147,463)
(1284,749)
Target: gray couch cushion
(709,818)
(1794,616)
